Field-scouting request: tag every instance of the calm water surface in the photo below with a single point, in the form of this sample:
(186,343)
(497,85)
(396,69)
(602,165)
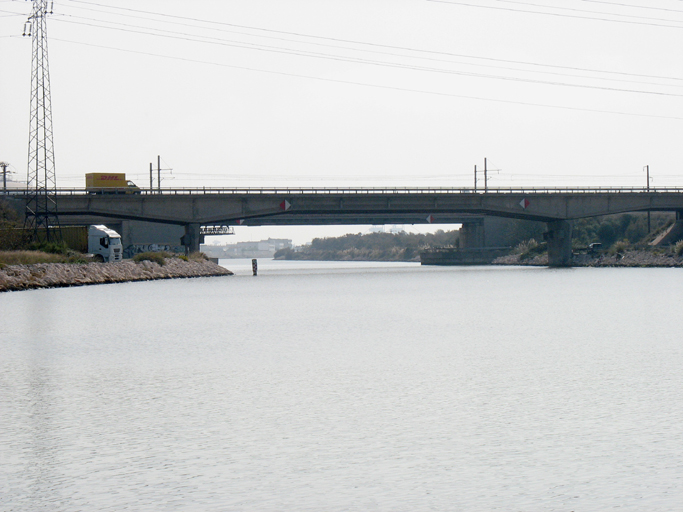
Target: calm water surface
(346,386)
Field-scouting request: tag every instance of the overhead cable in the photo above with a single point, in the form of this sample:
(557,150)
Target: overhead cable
(376,86)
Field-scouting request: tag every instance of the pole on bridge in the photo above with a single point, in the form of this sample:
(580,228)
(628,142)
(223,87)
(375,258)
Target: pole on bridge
(151,178)
(486,178)
(4,166)
(647,169)
(159,173)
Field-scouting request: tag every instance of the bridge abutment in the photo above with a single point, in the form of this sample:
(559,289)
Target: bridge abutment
(559,238)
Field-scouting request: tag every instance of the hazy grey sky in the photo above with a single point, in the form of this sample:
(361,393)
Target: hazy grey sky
(351,92)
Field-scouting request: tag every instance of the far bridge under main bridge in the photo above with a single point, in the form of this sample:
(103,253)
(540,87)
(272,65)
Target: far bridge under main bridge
(194,208)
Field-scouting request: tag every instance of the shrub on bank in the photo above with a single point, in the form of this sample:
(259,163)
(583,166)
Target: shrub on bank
(620,247)
(156,257)
(530,249)
(198,256)
(678,248)
(50,247)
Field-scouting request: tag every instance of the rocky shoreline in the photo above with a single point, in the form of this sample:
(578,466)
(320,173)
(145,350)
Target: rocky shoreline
(625,259)
(55,275)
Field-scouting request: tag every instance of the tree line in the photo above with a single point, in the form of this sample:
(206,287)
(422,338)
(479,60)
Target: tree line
(371,246)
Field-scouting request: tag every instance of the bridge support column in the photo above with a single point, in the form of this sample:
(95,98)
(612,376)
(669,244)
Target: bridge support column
(191,239)
(472,235)
(559,238)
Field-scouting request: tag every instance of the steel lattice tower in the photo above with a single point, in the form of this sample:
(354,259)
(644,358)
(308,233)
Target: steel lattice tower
(42,222)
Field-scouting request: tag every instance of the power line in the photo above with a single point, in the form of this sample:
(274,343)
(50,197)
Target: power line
(240,44)
(271,49)
(128,9)
(572,9)
(527,11)
(355,42)
(632,6)
(375,86)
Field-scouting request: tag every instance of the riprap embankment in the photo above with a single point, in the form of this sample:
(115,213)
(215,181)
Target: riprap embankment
(53,275)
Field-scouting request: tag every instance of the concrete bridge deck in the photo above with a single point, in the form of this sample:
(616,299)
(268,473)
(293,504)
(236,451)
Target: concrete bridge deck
(304,206)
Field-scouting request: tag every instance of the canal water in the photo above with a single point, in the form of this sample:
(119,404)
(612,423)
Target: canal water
(344,387)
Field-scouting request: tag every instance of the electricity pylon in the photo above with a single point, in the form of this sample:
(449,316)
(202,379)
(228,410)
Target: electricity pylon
(42,222)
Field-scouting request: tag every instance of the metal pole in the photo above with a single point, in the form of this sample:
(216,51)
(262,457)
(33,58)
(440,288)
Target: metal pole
(486,178)
(647,167)
(475,178)
(4,175)
(151,178)
(159,173)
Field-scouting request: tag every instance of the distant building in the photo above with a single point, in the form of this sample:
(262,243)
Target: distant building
(395,229)
(262,249)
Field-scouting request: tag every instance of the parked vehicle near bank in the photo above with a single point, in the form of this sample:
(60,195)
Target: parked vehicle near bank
(104,243)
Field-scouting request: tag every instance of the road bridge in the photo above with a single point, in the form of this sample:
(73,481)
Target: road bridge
(193,208)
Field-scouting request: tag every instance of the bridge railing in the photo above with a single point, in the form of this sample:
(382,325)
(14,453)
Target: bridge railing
(370,190)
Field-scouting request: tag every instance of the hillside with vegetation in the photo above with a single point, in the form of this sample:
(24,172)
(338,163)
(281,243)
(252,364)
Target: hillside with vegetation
(627,228)
(615,233)
(615,240)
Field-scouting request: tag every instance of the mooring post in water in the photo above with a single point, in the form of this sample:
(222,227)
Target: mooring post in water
(254,266)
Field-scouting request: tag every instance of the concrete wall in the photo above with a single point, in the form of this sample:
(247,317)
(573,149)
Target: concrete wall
(137,236)
(490,232)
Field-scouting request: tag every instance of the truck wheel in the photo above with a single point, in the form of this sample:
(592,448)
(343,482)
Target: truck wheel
(98,258)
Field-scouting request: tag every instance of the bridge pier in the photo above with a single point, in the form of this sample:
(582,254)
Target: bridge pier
(191,239)
(472,235)
(559,238)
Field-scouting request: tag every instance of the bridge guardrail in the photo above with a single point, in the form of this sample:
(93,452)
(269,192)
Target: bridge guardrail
(371,190)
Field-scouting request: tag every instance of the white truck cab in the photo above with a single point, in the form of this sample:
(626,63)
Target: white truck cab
(104,243)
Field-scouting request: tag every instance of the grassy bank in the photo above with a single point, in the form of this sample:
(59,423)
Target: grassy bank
(34,257)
